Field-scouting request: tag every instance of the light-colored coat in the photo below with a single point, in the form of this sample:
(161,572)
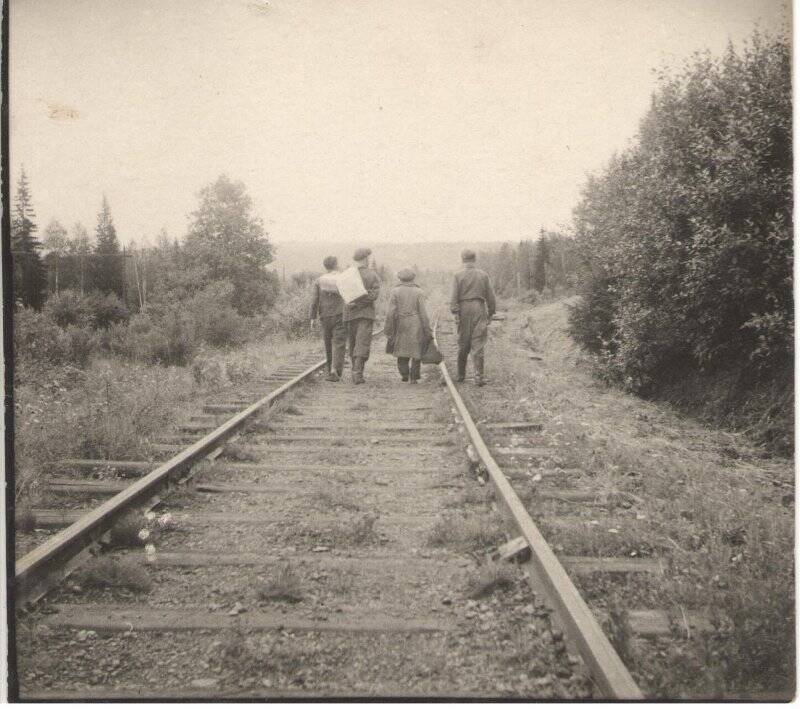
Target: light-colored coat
(408,327)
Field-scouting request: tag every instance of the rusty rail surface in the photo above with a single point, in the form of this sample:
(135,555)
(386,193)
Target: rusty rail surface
(547,575)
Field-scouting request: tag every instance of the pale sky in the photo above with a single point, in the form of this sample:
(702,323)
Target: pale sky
(381,120)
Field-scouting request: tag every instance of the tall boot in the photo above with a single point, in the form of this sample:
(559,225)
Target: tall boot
(414,371)
(402,367)
(358,370)
(462,366)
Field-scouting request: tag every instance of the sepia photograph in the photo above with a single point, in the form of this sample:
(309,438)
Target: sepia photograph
(398,350)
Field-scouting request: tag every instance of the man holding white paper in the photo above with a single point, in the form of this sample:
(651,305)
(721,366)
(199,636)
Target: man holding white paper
(359,309)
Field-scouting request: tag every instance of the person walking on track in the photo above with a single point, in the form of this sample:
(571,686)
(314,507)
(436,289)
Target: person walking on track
(473,305)
(360,314)
(328,306)
(408,327)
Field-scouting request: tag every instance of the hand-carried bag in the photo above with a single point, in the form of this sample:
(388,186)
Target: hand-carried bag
(430,353)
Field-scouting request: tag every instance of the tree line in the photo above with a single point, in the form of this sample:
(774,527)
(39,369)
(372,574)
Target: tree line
(155,303)
(531,268)
(225,242)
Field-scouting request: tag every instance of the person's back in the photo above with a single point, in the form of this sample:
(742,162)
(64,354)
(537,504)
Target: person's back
(407,325)
(359,315)
(327,299)
(328,306)
(473,304)
(472,283)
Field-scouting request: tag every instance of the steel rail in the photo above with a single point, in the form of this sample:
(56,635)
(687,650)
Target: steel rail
(34,568)
(608,670)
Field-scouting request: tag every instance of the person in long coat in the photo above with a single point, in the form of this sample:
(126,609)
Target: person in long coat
(408,327)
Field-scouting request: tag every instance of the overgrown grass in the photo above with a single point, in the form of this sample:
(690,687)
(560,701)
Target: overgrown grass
(113,408)
(700,500)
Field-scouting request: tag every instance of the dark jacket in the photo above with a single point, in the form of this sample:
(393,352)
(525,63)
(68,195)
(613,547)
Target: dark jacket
(364,307)
(407,325)
(325,299)
(471,283)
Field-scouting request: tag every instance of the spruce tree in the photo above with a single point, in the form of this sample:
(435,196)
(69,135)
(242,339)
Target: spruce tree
(29,279)
(541,259)
(79,251)
(107,268)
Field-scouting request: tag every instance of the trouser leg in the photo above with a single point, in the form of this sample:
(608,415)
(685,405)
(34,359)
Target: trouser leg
(402,367)
(362,338)
(339,342)
(351,327)
(464,341)
(327,338)
(358,370)
(462,364)
(414,373)
(480,334)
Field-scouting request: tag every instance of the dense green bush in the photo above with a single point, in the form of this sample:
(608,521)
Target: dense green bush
(686,238)
(68,307)
(38,339)
(215,320)
(290,312)
(105,309)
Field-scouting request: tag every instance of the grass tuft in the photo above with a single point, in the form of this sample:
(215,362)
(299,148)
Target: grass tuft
(125,533)
(24,518)
(485,580)
(337,499)
(285,585)
(239,453)
(477,531)
(107,572)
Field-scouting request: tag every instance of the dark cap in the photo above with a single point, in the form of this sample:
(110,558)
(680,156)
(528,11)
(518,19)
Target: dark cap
(361,254)
(406,274)
(467,255)
(330,262)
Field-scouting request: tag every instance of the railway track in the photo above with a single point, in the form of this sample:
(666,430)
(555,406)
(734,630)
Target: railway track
(324,553)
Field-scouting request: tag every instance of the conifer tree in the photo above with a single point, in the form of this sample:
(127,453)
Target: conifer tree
(107,268)
(79,249)
(29,279)
(541,259)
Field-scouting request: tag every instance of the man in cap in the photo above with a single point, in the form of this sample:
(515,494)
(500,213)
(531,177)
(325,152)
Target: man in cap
(328,306)
(473,305)
(360,314)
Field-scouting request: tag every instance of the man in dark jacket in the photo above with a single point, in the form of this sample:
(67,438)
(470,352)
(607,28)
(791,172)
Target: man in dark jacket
(328,306)
(473,305)
(360,314)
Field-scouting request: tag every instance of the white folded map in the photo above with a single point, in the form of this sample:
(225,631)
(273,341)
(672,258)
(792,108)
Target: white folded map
(350,284)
